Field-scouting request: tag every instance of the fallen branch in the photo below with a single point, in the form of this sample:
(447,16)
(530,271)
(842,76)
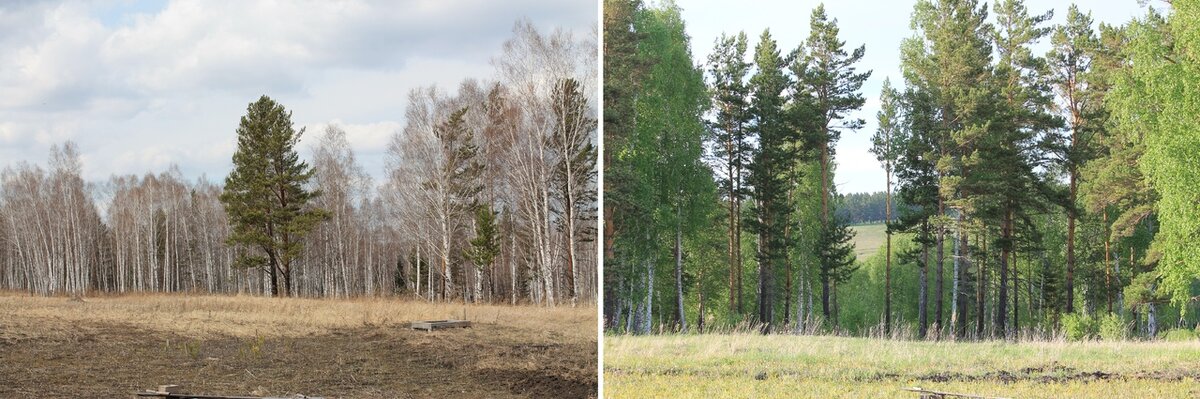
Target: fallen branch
(173,392)
(929,394)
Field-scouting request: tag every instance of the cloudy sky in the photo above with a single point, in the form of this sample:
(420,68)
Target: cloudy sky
(141,85)
(880,25)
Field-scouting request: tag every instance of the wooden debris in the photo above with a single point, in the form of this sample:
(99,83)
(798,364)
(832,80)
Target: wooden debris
(430,325)
(929,394)
(175,392)
(153,394)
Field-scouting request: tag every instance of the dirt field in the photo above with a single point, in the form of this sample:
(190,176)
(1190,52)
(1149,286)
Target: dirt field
(112,347)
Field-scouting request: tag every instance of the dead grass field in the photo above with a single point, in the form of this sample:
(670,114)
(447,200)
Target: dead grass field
(361,348)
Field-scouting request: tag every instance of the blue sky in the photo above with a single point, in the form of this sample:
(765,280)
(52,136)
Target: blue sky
(880,25)
(141,85)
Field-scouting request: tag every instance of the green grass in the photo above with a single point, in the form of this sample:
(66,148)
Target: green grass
(868,238)
(749,365)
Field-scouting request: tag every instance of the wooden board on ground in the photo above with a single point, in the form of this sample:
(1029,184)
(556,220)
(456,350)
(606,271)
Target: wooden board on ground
(929,394)
(430,325)
(173,395)
(176,392)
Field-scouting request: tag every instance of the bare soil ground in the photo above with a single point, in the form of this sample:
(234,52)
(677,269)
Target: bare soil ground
(113,347)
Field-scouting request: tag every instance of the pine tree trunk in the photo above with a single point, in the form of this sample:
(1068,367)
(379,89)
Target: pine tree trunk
(274,273)
(787,290)
(285,269)
(764,281)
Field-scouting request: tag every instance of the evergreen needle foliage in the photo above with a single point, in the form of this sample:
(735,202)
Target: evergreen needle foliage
(265,195)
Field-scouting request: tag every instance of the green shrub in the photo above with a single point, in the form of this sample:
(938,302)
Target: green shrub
(1178,335)
(1079,327)
(1114,328)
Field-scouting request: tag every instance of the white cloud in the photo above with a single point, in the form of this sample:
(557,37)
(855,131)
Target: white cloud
(363,138)
(153,158)
(140,86)
(8,134)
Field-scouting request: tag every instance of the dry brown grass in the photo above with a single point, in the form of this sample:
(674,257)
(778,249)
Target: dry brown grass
(246,316)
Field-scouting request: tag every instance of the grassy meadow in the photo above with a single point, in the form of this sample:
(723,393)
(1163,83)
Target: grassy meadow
(758,366)
(868,238)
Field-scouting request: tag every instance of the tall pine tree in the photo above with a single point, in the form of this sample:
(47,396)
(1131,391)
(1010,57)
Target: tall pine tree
(1071,59)
(265,196)
(951,57)
(885,144)
(769,171)
(833,84)
(623,186)
(727,70)
(1005,180)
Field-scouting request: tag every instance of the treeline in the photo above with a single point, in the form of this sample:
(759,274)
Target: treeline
(1039,189)
(866,208)
(681,190)
(490,196)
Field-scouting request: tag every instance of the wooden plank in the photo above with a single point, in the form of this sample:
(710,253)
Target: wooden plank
(430,325)
(176,392)
(930,394)
(167,395)
(190,396)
